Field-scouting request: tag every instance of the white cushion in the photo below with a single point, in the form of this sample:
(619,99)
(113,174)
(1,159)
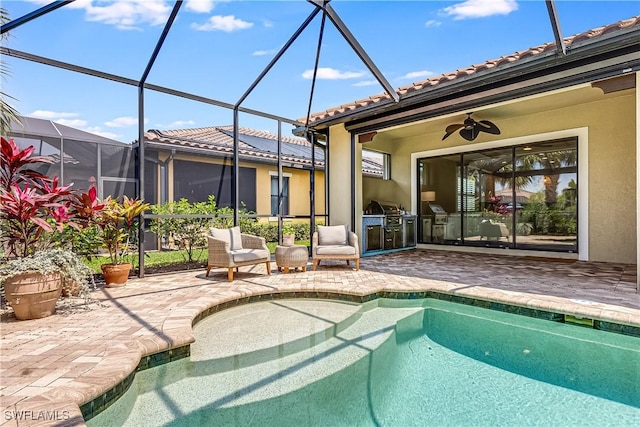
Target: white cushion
(332,235)
(244,255)
(232,236)
(341,250)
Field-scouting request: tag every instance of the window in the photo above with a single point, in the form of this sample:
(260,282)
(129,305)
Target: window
(376,164)
(274,195)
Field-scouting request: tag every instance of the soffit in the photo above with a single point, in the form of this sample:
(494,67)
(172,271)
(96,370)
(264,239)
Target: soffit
(531,105)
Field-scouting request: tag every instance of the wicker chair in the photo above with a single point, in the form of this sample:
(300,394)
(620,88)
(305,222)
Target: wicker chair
(230,249)
(335,243)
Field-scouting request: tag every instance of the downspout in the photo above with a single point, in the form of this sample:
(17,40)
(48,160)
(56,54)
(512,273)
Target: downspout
(279,182)
(353,180)
(312,186)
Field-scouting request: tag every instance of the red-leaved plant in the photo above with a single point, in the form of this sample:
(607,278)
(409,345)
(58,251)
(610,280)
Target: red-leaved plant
(31,203)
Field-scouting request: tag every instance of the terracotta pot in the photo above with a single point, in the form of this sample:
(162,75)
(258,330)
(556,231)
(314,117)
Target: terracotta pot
(33,295)
(70,289)
(288,239)
(116,275)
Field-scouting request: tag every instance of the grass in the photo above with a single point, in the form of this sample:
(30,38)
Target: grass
(164,258)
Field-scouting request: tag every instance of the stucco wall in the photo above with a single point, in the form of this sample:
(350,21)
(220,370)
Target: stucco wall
(340,176)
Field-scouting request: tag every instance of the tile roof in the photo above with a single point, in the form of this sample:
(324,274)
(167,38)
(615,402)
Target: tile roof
(252,145)
(483,68)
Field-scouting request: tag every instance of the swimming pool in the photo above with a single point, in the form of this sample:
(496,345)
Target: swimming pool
(387,362)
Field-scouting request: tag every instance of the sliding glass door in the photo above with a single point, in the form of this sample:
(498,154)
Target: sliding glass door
(513,197)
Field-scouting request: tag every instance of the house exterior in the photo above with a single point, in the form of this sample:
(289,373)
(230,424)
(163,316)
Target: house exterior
(196,163)
(567,151)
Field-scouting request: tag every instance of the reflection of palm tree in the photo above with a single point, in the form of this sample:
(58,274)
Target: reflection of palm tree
(551,160)
(7,112)
(495,170)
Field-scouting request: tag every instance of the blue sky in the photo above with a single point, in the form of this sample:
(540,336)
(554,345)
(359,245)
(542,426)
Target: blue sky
(218,48)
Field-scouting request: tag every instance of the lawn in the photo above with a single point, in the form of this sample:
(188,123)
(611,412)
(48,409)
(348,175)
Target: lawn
(167,258)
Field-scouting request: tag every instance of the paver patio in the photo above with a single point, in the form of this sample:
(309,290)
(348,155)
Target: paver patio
(60,362)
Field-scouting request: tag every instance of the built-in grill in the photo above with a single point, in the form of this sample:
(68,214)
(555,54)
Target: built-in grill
(392,229)
(390,211)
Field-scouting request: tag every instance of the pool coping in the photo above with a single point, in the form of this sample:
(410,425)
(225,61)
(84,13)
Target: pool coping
(576,313)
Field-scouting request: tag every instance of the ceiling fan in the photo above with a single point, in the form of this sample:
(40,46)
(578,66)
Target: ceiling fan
(471,128)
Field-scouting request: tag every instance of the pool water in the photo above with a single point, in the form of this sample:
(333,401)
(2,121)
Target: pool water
(390,363)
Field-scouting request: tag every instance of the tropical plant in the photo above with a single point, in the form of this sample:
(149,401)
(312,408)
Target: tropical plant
(29,201)
(187,233)
(117,222)
(7,112)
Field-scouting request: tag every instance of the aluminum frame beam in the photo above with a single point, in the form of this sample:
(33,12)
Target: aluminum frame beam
(555,24)
(236,107)
(141,144)
(358,49)
(132,82)
(15,23)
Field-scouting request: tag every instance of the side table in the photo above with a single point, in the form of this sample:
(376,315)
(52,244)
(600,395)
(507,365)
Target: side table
(292,257)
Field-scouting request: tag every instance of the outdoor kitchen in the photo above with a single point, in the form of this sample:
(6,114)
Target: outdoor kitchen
(386,227)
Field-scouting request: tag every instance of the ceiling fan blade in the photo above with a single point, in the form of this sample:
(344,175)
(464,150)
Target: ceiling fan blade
(489,127)
(469,134)
(451,129)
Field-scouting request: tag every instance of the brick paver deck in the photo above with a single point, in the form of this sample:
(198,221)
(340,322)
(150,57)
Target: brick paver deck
(60,362)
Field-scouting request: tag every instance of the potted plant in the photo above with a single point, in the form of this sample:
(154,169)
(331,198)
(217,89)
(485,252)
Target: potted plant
(33,283)
(32,207)
(117,222)
(288,235)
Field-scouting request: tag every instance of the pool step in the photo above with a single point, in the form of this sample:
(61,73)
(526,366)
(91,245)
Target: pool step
(279,376)
(245,335)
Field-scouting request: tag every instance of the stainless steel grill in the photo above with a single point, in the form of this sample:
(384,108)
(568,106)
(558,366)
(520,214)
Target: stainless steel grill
(392,229)
(391,212)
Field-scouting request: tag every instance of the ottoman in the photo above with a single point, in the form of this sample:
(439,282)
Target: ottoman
(292,257)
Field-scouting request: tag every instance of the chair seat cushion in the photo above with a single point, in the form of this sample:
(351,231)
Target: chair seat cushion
(248,255)
(337,250)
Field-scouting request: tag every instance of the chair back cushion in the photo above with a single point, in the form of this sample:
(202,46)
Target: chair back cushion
(333,235)
(229,235)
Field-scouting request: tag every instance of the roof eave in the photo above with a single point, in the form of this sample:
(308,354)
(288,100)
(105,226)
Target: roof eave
(580,56)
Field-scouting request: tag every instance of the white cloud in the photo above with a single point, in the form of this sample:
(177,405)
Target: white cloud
(325,73)
(128,14)
(417,75)
(432,23)
(98,131)
(480,8)
(227,23)
(179,124)
(52,115)
(200,6)
(267,23)
(74,123)
(365,83)
(122,122)
(264,52)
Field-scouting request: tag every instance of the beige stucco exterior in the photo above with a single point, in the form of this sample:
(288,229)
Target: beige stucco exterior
(604,123)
